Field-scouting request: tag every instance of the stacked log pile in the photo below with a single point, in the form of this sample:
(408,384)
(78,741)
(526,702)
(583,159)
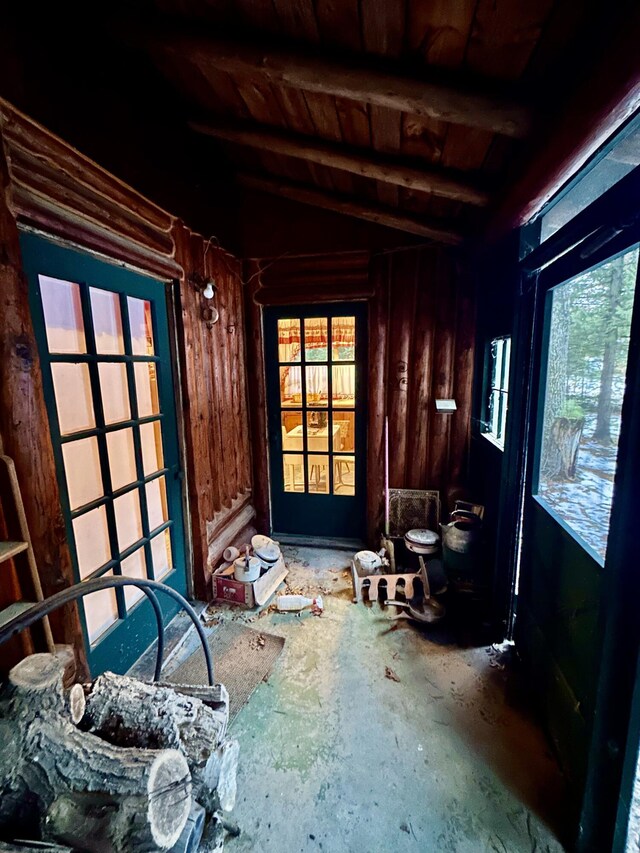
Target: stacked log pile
(118,765)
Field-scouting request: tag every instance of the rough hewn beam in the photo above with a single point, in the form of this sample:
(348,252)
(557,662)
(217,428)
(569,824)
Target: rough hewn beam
(354,80)
(350,207)
(368,165)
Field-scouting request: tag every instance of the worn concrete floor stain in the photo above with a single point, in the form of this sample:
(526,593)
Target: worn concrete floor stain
(336,757)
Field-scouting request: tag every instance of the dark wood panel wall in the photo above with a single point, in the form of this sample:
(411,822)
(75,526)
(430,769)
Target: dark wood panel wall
(215,401)
(45,183)
(421,347)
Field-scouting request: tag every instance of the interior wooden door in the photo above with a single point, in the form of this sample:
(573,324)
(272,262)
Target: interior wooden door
(104,345)
(316,366)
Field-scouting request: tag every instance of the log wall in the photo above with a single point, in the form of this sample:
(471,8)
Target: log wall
(421,347)
(215,402)
(47,184)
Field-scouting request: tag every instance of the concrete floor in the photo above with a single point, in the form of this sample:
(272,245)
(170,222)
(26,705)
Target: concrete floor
(336,757)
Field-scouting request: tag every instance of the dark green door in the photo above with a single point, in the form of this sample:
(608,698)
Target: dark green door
(104,345)
(316,368)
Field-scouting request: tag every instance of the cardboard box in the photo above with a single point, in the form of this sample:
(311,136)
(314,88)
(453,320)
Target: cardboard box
(254,594)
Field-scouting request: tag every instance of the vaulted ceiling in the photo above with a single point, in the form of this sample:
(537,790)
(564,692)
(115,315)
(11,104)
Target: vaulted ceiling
(415,114)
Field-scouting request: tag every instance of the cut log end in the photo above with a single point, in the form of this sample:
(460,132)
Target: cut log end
(77,703)
(37,672)
(169,789)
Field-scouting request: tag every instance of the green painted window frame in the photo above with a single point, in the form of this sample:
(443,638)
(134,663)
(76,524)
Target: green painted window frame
(135,629)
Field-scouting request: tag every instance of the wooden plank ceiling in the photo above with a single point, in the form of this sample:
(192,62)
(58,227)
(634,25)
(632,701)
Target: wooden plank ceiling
(226,59)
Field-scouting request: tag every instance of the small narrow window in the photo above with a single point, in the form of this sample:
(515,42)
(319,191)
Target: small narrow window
(496,400)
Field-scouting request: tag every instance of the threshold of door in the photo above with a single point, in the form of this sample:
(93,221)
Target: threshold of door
(319,541)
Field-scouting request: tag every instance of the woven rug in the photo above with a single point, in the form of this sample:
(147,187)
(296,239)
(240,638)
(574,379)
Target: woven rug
(242,658)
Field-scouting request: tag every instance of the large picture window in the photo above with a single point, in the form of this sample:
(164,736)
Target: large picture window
(588,326)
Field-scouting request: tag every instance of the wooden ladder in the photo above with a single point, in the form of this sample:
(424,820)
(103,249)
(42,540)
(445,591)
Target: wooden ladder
(19,549)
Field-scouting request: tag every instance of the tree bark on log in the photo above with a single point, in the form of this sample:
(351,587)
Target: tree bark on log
(124,711)
(563,443)
(80,789)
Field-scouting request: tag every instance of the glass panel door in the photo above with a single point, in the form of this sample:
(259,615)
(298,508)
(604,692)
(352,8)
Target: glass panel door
(104,347)
(315,358)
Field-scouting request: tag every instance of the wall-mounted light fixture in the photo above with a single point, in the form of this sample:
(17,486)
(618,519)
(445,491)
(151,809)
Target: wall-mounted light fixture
(208,288)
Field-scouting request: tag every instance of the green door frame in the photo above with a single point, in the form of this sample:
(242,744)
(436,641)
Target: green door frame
(614,738)
(119,647)
(321,515)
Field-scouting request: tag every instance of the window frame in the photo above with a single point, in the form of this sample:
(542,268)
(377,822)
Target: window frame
(502,388)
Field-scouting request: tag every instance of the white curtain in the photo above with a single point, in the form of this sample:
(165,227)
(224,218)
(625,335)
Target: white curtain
(343,381)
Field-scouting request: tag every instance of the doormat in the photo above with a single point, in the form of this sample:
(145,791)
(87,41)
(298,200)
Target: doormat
(242,658)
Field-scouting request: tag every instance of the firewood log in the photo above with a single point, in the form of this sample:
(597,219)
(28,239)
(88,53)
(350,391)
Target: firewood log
(80,789)
(125,711)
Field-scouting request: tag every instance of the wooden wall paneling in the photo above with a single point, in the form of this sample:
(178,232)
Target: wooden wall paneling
(256,387)
(24,426)
(223,356)
(215,404)
(463,369)
(402,313)
(442,379)
(199,479)
(421,409)
(377,399)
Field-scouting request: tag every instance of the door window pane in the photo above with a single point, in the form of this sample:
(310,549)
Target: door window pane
(161,554)
(157,502)
(107,322)
(343,338)
(317,385)
(122,458)
(288,340)
(584,382)
(134,566)
(115,392)
(141,326)
(293,465)
(151,440)
(344,475)
(345,438)
(62,308)
(100,611)
(91,536)
(292,436)
(82,470)
(315,339)
(147,388)
(290,386)
(72,390)
(128,520)
(317,431)
(344,385)
(318,468)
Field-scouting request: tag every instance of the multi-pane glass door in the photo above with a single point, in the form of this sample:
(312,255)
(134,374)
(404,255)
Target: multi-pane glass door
(104,346)
(315,358)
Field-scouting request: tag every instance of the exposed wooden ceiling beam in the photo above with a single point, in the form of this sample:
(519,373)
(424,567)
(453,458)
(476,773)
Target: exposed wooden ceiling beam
(350,207)
(357,81)
(368,165)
